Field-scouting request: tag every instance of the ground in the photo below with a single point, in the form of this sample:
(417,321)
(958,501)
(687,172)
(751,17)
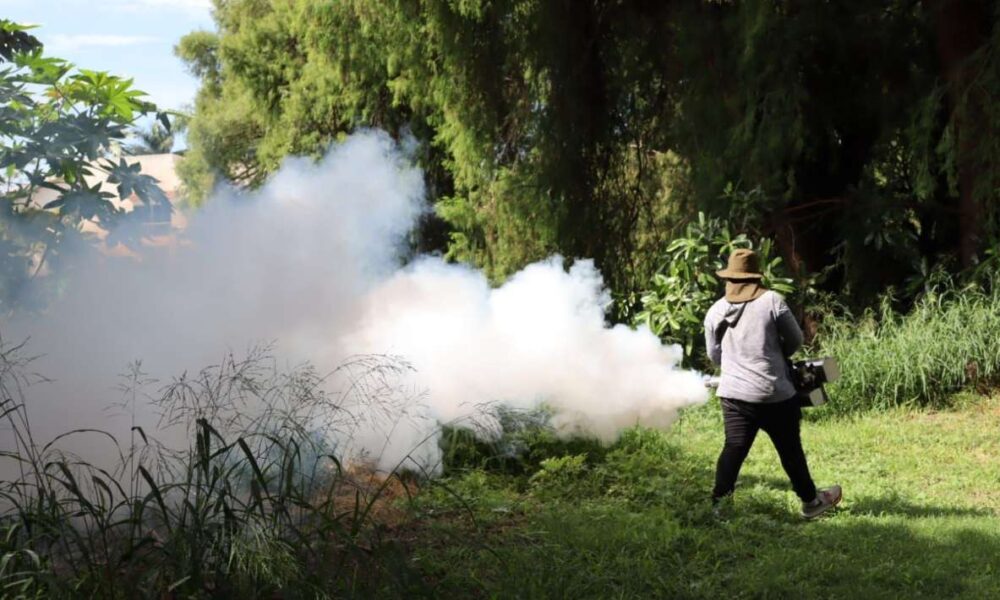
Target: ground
(918,520)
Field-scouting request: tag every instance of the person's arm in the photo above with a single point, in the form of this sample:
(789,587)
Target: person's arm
(788,329)
(712,341)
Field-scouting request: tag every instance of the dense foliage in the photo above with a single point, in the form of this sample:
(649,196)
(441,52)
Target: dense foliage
(867,130)
(57,127)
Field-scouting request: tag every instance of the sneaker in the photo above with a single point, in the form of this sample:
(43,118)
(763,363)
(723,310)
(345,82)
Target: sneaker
(826,499)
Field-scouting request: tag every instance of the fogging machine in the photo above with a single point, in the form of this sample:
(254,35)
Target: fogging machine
(808,377)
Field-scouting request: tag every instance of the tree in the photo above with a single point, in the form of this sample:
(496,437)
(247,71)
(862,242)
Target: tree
(822,107)
(56,126)
(599,128)
(522,156)
(156,139)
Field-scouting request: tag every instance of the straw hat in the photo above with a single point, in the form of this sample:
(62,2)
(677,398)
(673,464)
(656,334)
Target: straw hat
(742,275)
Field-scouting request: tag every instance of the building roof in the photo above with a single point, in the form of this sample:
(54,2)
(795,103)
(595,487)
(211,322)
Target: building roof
(162,167)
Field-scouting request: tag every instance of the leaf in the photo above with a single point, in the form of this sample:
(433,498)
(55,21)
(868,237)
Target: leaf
(43,69)
(14,40)
(142,433)
(57,203)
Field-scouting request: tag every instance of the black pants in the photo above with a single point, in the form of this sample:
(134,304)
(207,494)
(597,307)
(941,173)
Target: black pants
(781,422)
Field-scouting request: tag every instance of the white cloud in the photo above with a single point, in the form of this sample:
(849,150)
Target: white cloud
(64,42)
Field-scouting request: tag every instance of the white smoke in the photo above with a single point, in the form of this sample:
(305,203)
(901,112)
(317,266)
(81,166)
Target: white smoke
(312,260)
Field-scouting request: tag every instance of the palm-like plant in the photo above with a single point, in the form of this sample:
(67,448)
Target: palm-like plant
(158,139)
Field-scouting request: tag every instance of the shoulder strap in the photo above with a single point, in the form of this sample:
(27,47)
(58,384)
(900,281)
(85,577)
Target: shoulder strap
(720,331)
(736,313)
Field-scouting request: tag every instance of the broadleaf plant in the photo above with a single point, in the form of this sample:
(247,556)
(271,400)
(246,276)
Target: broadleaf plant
(685,285)
(58,126)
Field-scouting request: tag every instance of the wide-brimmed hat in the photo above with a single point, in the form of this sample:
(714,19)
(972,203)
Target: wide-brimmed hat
(743,264)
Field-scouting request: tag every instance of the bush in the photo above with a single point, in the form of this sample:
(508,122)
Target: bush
(685,286)
(947,342)
(566,477)
(513,442)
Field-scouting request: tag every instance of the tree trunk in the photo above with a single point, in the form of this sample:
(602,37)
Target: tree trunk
(579,109)
(961,27)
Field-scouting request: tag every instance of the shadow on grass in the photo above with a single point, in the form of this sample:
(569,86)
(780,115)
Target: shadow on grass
(893,504)
(844,557)
(659,539)
(600,552)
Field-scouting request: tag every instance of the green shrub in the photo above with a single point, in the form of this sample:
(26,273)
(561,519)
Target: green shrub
(523,441)
(948,341)
(685,285)
(568,477)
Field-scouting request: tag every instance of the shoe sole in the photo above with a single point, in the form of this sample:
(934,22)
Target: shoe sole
(829,507)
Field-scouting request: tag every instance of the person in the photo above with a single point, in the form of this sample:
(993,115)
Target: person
(750,333)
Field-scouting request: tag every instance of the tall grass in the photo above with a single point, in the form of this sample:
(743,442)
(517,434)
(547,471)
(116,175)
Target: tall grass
(948,341)
(257,506)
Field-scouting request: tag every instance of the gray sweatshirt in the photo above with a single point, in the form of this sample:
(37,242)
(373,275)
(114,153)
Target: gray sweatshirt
(752,352)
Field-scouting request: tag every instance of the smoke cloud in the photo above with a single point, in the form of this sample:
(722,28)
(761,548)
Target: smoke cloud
(312,260)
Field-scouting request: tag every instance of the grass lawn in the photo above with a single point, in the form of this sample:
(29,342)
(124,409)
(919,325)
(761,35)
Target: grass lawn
(918,520)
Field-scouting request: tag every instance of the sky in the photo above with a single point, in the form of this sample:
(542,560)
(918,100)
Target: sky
(129,38)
